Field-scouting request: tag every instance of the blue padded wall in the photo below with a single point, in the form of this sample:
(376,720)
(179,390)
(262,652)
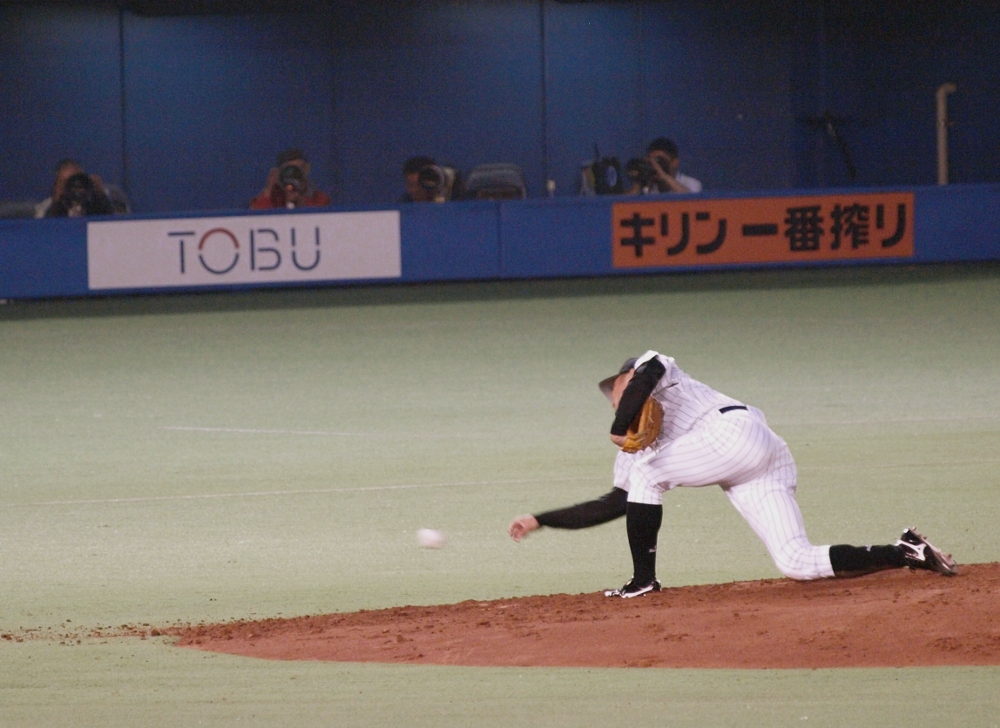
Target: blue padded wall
(188,112)
(211,100)
(594,87)
(717,80)
(488,240)
(876,67)
(61,88)
(461,82)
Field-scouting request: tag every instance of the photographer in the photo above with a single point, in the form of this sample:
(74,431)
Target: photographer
(76,194)
(288,185)
(657,171)
(427,182)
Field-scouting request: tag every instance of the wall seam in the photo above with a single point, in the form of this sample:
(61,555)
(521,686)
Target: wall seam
(122,98)
(545,98)
(644,133)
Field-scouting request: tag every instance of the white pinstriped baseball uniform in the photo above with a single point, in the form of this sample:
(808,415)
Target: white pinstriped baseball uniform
(698,445)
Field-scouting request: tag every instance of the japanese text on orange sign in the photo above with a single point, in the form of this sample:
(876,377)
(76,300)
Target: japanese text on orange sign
(762,230)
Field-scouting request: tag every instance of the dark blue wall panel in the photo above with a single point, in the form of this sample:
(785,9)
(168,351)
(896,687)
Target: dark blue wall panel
(188,112)
(593,87)
(459,241)
(717,80)
(212,100)
(957,222)
(43,258)
(461,82)
(881,65)
(541,238)
(61,96)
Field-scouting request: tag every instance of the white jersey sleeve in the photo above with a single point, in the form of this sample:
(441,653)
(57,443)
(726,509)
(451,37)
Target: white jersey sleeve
(685,400)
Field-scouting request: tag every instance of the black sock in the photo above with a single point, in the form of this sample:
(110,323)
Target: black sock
(858,560)
(642,521)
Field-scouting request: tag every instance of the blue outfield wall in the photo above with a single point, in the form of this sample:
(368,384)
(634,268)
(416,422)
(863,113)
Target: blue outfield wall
(495,240)
(958,223)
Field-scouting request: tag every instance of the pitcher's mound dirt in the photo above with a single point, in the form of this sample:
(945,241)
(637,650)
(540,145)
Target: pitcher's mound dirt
(893,618)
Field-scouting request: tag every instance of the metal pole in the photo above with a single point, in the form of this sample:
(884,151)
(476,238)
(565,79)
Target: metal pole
(942,130)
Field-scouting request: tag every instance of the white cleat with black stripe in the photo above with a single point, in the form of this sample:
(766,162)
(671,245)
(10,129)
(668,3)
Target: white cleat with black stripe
(922,554)
(634,590)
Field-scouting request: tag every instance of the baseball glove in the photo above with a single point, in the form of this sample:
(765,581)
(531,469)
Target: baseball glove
(644,431)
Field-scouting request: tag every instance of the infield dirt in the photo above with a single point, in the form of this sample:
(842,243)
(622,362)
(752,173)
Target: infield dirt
(896,618)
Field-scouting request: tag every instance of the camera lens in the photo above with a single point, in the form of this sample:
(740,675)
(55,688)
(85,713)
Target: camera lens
(78,189)
(431,178)
(291,176)
(641,170)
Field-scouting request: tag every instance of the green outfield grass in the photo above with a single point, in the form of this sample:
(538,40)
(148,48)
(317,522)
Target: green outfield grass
(185,458)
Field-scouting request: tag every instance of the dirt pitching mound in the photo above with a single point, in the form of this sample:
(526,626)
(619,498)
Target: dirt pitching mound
(890,619)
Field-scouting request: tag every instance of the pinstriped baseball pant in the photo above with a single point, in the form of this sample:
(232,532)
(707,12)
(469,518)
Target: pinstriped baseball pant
(739,452)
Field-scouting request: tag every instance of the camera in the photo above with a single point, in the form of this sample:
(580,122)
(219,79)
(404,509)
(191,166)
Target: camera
(607,176)
(440,182)
(640,171)
(79,191)
(80,197)
(602,176)
(431,177)
(292,178)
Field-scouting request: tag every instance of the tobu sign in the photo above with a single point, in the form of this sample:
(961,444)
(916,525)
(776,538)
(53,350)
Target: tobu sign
(245,249)
(762,230)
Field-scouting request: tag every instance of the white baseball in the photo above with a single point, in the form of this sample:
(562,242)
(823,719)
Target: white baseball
(430,539)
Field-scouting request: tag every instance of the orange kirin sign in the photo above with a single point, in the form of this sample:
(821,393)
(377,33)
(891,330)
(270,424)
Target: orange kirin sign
(762,230)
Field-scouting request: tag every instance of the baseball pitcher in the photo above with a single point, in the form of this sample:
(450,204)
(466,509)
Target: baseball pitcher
(674,431)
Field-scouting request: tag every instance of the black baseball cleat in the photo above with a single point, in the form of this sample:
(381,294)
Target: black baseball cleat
(634,590)
(922,554)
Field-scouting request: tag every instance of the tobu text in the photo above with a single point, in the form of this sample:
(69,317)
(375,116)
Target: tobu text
(219,251)
(243,249)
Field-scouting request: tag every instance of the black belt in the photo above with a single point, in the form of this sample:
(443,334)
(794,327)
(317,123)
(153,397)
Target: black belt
(730,408)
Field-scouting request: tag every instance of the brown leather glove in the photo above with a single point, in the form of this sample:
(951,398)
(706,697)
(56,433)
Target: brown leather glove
(643,432)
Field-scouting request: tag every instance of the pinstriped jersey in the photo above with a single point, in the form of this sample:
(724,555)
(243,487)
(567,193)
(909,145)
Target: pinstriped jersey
(685,400)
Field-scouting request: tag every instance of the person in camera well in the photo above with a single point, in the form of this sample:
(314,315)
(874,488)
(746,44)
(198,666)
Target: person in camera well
(658,170)
(77,194)
(288,185)
(428,182)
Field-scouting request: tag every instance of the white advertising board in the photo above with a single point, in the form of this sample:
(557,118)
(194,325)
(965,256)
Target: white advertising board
(210,251)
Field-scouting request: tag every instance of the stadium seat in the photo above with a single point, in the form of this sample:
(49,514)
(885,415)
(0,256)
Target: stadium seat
(17,209)
(496,182)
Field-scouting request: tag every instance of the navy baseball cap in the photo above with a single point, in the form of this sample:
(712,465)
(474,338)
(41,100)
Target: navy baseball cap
(606,385)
